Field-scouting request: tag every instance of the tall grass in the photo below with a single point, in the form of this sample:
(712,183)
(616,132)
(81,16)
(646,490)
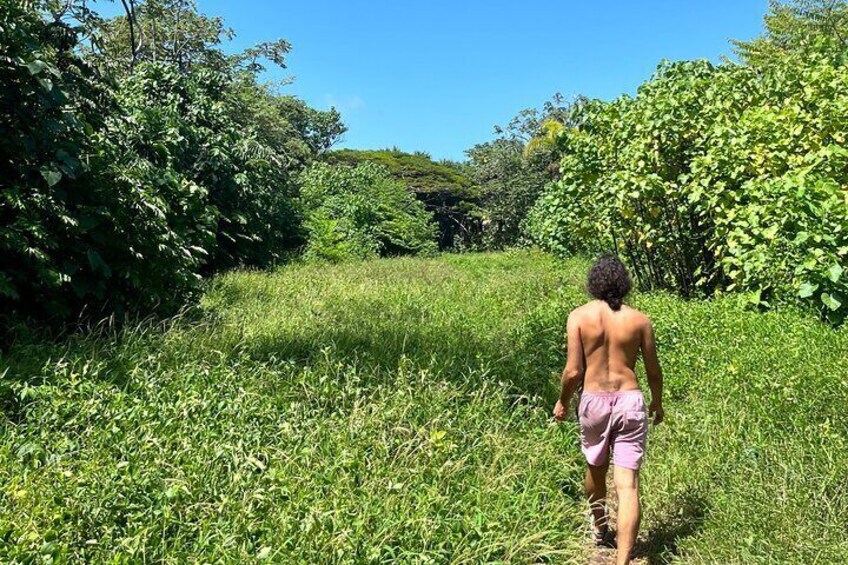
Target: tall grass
(398,411)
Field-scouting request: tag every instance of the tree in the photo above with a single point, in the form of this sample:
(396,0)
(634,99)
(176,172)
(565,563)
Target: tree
(125,183)
(361,211)
(512,170)
(167,31)
(798,26)
(88,221)
(446,188)
(246,142)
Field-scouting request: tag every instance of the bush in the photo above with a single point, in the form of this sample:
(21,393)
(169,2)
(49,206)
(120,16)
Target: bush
(185,123)
(513,169)
(124,184)
(359,212)
(85,222)
(445,188)
(714,178)
(509,185)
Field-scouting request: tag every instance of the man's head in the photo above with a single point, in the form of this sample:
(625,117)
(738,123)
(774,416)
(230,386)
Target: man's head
(609,281)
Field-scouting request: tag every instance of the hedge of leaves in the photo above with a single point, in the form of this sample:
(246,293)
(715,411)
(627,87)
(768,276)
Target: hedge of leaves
(123,186)
(44,137)
(446,188)
(360,212)
(727,177)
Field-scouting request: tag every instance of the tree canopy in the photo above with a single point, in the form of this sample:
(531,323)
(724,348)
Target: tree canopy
(446,188)
(138,157)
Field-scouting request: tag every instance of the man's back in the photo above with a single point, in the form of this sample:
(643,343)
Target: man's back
(605,338)
(611,341)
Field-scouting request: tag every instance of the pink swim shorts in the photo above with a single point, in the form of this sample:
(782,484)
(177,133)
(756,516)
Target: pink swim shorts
(613,420)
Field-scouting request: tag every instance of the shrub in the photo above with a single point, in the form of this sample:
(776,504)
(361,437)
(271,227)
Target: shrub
(85,222)
(124,184)
(509,185)
(445,188)
(714,178)
(185,123)
(358,212)
(513,169)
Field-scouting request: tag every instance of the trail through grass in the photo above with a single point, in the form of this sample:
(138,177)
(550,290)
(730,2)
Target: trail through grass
(398,411)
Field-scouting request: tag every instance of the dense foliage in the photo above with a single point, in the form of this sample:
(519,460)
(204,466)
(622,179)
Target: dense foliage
(417,170)
(446,189)
(49,103)
(360,212)
(126,179)
(512,170)
(399,412)
(716,177)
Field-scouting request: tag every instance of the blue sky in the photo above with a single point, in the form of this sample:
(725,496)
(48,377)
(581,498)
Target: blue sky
(436,76)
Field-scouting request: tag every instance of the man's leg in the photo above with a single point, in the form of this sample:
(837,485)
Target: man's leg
(627,489)
(595,488)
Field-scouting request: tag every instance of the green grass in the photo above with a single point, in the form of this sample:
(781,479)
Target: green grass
(398,411)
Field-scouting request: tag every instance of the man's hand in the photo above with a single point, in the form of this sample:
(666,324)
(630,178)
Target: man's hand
(655,411)
(561,411)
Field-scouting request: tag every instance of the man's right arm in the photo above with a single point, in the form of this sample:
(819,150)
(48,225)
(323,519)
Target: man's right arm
(574,370)
(653,371)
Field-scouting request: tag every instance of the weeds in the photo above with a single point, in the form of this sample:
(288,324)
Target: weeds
(398,411)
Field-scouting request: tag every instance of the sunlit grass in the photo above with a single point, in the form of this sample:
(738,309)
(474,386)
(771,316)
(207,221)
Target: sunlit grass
(398,411)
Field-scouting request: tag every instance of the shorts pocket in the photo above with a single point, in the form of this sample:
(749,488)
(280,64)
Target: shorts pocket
(635,420)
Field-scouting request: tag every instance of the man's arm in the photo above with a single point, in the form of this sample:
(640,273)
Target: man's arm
(654,372)
(572,375)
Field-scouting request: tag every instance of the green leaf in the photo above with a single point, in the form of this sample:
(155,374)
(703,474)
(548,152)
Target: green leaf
(835,272)
(259,465)
(7,288)
(801,238)
(52,176)
(97,263)
(831,302)
(807,290)
(36,67)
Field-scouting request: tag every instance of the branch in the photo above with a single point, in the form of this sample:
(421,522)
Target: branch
(129,9)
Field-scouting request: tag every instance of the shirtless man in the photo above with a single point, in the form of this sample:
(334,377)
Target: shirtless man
(604,339)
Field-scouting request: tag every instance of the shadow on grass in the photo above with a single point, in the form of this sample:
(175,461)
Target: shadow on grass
(684,519)
(522,357)
(456,356)
(115,349)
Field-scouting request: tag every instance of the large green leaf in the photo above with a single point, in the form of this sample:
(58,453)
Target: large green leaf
(52,176)
(36,67)
(830,301)
(807,290)
(97,263)
(7,288)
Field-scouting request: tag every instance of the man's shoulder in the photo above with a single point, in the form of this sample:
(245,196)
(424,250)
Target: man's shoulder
(580,311)
(638,316)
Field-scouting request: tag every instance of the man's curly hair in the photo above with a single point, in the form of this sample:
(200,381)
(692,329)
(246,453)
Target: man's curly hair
(609,281)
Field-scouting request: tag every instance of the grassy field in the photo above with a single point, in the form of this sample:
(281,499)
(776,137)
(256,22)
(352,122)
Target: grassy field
(398,411)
